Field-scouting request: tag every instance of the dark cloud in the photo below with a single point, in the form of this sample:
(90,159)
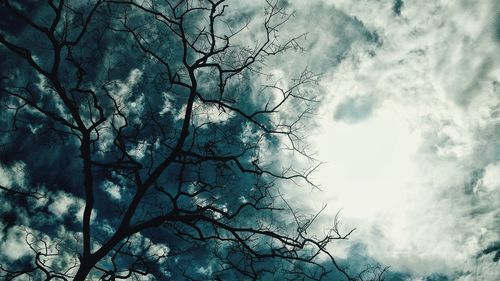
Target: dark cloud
(128,84)
(355,109)
(397,7)
(493,249)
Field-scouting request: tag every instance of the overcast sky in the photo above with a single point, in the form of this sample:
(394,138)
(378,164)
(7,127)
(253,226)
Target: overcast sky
(409,130)
(408,127)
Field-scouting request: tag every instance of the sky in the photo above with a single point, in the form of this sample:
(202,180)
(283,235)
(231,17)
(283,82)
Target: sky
(409,130)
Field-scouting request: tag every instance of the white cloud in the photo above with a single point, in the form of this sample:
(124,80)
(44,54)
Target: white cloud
(124,89)
(14,244)
(112,189)
(13,175)
(208,113)
(62,203)
(408,173)
(65,204)
(491,178)
(60,248)
(481,269)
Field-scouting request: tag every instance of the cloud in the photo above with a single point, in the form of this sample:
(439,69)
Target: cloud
(491,177)
(13,175)
(412,151)
(13,244)
(412,147)
(112,189)
(65,204)
(355,109)
(397,7)
(61,204)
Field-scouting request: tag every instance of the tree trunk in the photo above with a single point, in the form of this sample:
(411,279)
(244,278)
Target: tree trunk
(84,269)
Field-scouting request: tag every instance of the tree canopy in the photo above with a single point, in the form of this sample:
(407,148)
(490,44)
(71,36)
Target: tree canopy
(147,140)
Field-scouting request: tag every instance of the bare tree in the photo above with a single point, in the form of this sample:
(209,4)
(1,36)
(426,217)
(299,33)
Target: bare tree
(158,105)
